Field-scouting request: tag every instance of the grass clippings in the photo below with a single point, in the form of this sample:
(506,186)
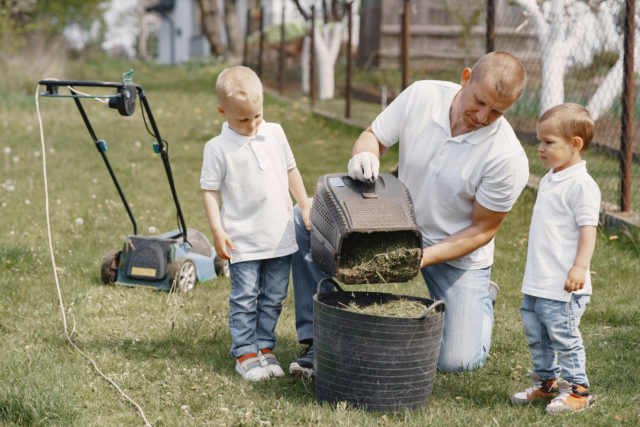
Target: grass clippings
(394,308)
(383,257)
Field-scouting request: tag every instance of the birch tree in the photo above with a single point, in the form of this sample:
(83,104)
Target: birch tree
(571,33)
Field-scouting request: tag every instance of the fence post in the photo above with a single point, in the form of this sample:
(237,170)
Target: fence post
(247,31)
(312,59)
(626,152)
(281,62)
(347,112)
(261,48)
(490,37)
(404,43)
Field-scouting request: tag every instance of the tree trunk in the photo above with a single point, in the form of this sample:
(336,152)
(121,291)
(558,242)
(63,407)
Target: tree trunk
(327,49)
(234,32)
(143,52)
(304,64)
(212,25)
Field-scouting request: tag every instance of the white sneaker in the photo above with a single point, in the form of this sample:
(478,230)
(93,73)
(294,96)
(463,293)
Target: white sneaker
(269,361)
(251,368)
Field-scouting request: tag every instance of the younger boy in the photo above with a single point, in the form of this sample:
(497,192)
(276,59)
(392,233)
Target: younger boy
(557,284)
(251,165)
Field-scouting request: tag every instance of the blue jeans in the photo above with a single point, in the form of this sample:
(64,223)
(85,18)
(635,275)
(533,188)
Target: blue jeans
(551,328)
(468,313)
(255,302)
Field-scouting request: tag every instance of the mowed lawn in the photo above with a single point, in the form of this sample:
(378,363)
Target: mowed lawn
(170,352)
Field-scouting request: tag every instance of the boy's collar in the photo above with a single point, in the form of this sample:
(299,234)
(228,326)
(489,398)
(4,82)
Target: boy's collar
(234,136)
(576,169)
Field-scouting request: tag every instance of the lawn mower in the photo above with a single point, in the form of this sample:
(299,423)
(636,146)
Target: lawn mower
(173,261)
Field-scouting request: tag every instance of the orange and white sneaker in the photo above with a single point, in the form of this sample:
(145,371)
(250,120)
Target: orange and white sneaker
(539,391)
(571,398)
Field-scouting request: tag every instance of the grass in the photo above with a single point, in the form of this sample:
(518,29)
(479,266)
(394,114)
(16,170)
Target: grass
(171,352)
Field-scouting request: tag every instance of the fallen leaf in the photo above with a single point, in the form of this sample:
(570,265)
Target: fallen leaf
(614,237)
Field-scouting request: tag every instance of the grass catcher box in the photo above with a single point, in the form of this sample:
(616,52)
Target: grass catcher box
(378,363)
(365,232)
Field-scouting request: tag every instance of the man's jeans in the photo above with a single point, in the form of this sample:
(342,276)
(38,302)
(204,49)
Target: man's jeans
(468,312)
(551,328)
(257,291)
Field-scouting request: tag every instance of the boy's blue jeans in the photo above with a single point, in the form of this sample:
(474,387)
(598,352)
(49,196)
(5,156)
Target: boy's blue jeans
(551,328)
(468,314)
(255,302)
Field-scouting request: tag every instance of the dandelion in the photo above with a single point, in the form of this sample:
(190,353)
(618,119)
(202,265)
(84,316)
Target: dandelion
(52,150)
(94,181)
(93,196)
(36,154)
(152,229)
(7,150)
(10,187)
(137,144)
(79,221)
(15,159)
(27,202)
(58,201)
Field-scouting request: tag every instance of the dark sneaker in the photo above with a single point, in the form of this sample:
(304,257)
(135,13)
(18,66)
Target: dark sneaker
(303,366)
(540,390)
(269,361)
(571,398)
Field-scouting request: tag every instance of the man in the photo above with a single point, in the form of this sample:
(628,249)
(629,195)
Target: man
(464,168)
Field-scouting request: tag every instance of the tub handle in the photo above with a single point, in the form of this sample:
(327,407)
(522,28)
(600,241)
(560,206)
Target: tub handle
(431,307)
(327,279)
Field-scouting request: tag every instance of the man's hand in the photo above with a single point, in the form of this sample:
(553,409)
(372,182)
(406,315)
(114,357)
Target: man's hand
(220,242)
(575,279)
(364,166)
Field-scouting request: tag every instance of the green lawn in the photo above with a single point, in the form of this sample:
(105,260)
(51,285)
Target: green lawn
(170,352)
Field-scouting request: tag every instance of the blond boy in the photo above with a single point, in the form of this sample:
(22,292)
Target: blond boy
(557,284)
(250,164)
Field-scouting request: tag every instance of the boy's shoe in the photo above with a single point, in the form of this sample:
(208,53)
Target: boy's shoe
(540,390)
(269,361)
(303,366)
(250,367)
(571,398)
(493,291)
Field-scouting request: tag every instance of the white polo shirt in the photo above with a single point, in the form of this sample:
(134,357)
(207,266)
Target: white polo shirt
(251,173)
(443,174)
(567,200)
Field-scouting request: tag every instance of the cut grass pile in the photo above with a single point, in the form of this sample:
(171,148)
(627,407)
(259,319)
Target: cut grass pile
(401,307)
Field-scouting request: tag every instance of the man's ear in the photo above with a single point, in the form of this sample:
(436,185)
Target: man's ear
(466,77)
(578,143)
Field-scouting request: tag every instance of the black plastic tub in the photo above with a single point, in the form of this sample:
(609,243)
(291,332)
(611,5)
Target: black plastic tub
(378,363)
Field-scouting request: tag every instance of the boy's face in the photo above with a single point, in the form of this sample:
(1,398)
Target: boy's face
(243,116)
(556,151)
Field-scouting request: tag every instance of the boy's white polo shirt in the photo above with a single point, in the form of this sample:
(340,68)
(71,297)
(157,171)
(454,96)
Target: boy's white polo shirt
(446,174)
(251,173)
(566,201)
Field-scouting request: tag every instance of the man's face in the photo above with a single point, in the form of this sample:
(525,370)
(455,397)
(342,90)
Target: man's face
(242,116)
(479,104)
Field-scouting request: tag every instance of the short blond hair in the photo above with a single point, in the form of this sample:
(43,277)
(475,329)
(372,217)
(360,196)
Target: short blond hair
(572,120)
(240,83)
(503,71)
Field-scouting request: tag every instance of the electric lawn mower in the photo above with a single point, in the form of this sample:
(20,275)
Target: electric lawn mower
(175,260)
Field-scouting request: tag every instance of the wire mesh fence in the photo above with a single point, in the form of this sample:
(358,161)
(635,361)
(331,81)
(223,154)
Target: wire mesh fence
(572,51)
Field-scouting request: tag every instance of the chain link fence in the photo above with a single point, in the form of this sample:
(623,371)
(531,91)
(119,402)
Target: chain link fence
(572,52)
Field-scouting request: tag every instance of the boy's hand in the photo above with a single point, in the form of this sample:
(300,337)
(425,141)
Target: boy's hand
(575,279)
(306,215)
(220,242)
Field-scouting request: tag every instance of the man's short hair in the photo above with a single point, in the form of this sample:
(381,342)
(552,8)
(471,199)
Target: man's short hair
(504,71)
(240,83)
(571,120)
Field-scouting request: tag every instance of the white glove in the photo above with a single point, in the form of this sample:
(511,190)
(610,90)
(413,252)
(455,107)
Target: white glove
(364,166)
